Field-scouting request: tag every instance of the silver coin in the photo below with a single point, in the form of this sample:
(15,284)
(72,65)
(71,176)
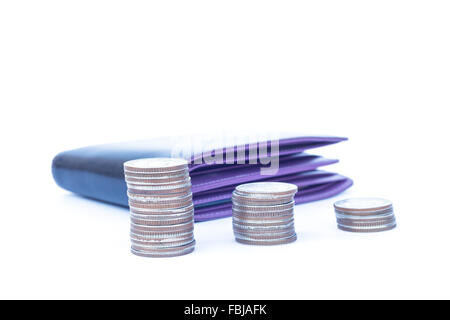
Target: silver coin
(263,216)
(262,226)
(247,200)
(153,205)
(166,236)
(262,213)
(141,231)
(138,228)
(366,222)
(383,215)
(368,229)
(365,215)
(157,175)
(161,211)
(162,255)
(259,217)
(268,243)
(367,226)
(158,179)
(268,235)
(159,188)
(272,208)
(265,236)
(161,235)
(156,165)
(166,249)
(151,246)
(265,228)
(361,205)
(160,201)
(162,217)
(158,185)
(166,252)
(370,222)
(362,215)
(262,223)
(159,195)
(267,189)
(263,231)
(158,205)
(163,241)
(161,222)
(159,198)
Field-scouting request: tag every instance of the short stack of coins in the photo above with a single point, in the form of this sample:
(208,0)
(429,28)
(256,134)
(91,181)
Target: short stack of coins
(161,209)
(263,213)
(365,215)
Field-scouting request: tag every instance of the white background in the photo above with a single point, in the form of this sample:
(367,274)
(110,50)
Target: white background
(76,73)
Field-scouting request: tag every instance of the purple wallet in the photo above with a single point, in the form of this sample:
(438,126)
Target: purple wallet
(96,172)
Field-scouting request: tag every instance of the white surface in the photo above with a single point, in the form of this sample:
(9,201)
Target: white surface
(377,72)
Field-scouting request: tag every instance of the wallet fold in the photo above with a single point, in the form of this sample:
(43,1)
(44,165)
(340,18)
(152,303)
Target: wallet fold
(96,172)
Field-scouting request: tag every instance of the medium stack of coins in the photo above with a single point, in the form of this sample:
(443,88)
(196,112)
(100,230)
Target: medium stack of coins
(365,215)
(263,213)
(162,213)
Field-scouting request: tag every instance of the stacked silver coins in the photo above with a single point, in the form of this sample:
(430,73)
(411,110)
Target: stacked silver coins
(161,209)
(263,213)
(365,215)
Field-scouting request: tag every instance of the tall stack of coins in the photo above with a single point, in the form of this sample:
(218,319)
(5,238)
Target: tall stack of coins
(365,215)
(161,209)
(263,213)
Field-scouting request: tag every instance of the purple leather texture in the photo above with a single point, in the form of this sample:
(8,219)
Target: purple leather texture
(287,146)
(247,173)
(96,172)
(303,180)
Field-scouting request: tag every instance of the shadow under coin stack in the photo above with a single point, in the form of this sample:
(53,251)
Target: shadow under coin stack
(365,215)
(263,213)
(161,209)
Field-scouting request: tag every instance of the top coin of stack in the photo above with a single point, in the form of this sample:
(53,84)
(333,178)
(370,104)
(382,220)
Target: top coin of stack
(161,209)
(365,215)
(263,213)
